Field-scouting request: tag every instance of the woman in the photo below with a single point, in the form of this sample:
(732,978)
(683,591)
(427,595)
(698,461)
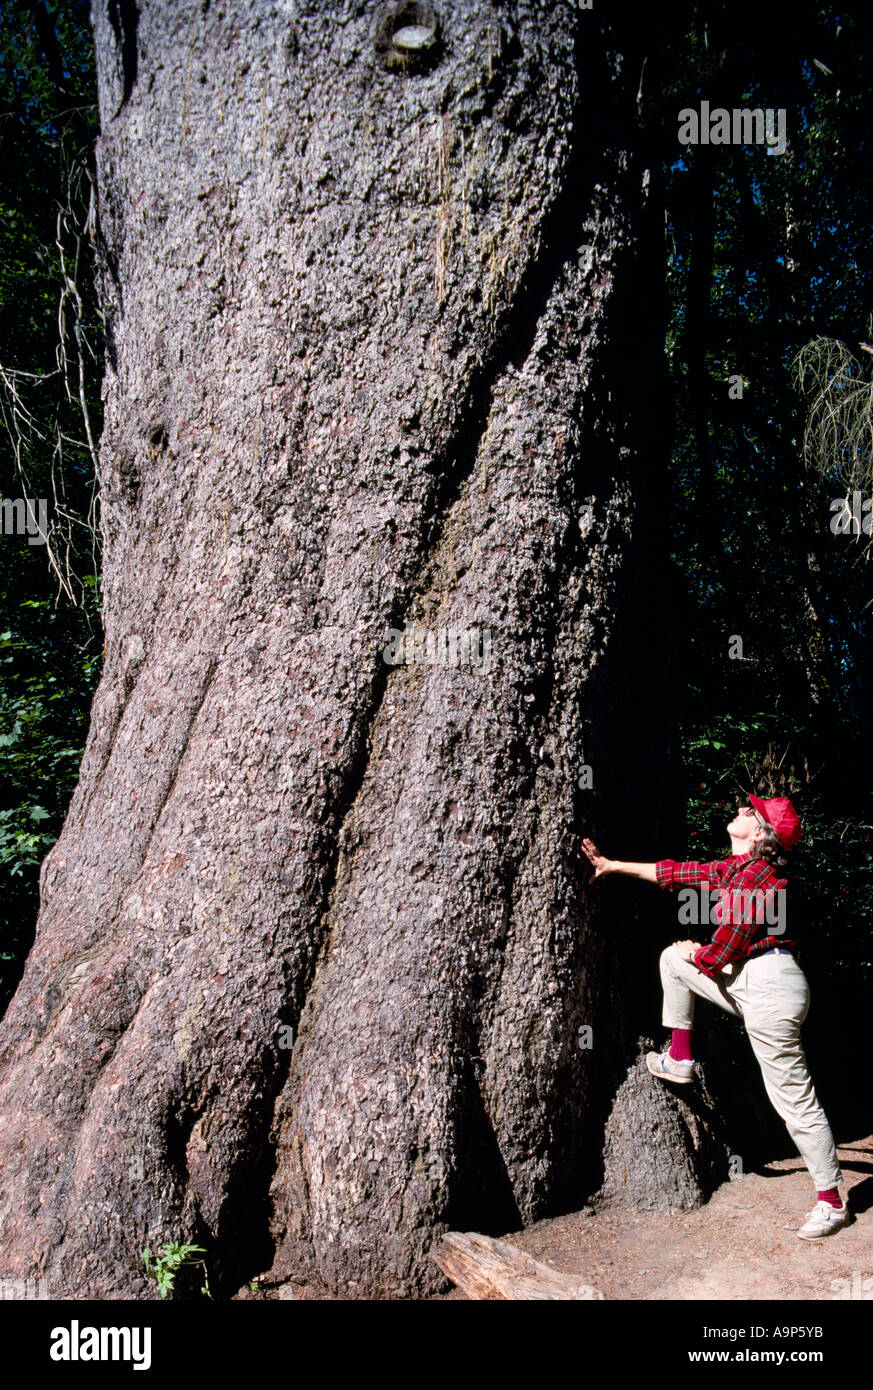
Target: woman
(748,968)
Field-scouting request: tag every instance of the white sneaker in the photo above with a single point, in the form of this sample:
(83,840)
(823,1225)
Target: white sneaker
(823,1220)
(663,1065)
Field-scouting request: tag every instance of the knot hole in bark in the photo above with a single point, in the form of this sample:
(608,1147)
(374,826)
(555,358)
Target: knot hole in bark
(408,37)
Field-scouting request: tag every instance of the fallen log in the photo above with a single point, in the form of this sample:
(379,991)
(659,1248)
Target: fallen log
(485,1268)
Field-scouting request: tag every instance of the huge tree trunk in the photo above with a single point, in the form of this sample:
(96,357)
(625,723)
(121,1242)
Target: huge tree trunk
(378,352)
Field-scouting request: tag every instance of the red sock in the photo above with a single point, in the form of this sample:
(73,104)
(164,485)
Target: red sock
(680,1047)
(832,1196)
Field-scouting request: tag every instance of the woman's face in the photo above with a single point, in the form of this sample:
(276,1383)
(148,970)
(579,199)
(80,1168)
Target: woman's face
(745,827)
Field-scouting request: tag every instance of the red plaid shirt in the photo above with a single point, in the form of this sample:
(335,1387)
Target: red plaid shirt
(743,928)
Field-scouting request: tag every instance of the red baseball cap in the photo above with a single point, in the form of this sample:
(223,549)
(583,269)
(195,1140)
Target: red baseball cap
(779,813)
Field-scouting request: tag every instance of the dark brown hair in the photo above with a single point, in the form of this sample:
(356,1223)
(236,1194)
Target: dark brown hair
(770,847)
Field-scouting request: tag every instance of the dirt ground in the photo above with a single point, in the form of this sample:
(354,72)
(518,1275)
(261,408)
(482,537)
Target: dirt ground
(741,1245)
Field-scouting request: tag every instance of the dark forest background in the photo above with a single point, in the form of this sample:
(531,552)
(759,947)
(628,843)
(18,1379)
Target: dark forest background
(765,268)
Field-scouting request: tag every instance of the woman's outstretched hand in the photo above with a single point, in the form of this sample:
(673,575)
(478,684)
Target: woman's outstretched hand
(602,865)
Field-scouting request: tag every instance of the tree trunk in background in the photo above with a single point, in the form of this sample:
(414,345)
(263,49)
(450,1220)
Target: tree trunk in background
(379,350)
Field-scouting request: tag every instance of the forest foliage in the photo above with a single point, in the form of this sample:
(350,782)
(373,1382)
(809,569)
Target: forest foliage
(50,368)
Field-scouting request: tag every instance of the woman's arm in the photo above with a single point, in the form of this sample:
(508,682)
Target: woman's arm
(603,865)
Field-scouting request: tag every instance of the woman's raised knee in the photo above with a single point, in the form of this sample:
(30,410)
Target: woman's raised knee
(670,957)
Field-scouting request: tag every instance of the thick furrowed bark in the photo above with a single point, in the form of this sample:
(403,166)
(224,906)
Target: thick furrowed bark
(457,944)
(356,321)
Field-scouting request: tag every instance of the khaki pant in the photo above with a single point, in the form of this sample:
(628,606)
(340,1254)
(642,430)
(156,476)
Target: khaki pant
(770,994)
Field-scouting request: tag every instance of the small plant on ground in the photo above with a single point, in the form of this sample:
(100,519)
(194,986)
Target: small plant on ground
(164,1266)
